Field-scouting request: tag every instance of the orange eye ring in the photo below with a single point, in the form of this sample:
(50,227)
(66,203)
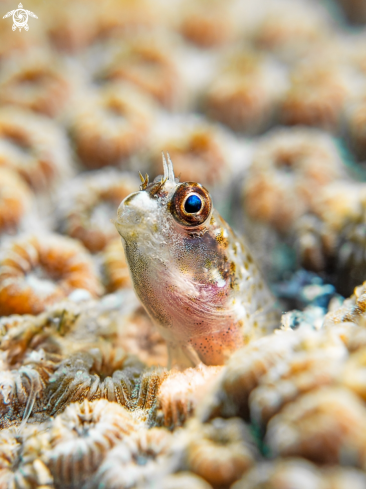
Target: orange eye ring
(180,205)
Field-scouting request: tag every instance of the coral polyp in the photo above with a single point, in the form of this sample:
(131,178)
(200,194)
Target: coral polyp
(34,147)
(15,200)
(87,206)
(110,125)
(37,271)
(81,437)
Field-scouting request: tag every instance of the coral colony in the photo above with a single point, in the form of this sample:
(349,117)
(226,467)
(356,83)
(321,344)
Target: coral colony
(200,324)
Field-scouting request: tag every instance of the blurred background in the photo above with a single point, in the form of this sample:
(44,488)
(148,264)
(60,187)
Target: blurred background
(261,101)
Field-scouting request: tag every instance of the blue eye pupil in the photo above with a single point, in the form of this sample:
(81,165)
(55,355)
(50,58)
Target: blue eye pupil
(193,204)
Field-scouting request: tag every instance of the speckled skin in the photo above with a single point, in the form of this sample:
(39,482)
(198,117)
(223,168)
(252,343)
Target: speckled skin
(199,285)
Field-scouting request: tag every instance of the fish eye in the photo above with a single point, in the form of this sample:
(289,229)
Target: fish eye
(191,204)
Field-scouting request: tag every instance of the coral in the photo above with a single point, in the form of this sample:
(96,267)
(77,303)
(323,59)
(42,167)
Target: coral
(291,29)
(353,373)
(316,96)
(304,372)
(82,436)
(198,156)
(140,337)
(355,10)
(110,125)
(103,374)
(37,82)
(220,451)
(34,147)
(126,17)
(66,31)
(15,200)
(20,335)
(37,271)
(243,372)
(240,95)
(325,426)
(144,456)
(148,64)
(332,240)
(87,205)
(21,463)
(115,269)
(289,473)
(23,390)
(286,175)
(356,123)
(207,24)
(180,393)
(182,480)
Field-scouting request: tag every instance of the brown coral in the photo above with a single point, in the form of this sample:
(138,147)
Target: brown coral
(198,156)
(33,146)
(23,390)
(291,29)
(39,271)
(286,175)
(332,240)
(316,96)
(81,437)
(103,374)
(304,372)
(88,204)
(15,200)
(220,451)
(145,456)
(180,393)
(148,64)
(356,119)
(207,24)
(110,125)
(182,480)
(290,473)
(243,372)
(115,268)
(325,426)
(37,82)
(241,96)
(21,463)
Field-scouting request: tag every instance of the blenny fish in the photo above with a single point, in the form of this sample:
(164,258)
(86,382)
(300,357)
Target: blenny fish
(195,277)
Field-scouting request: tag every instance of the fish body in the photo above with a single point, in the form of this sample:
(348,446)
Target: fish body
(195,277)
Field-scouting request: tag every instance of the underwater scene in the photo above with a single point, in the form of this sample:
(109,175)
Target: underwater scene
(183,244)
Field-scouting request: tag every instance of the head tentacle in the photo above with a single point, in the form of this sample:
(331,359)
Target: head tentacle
(170,169)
